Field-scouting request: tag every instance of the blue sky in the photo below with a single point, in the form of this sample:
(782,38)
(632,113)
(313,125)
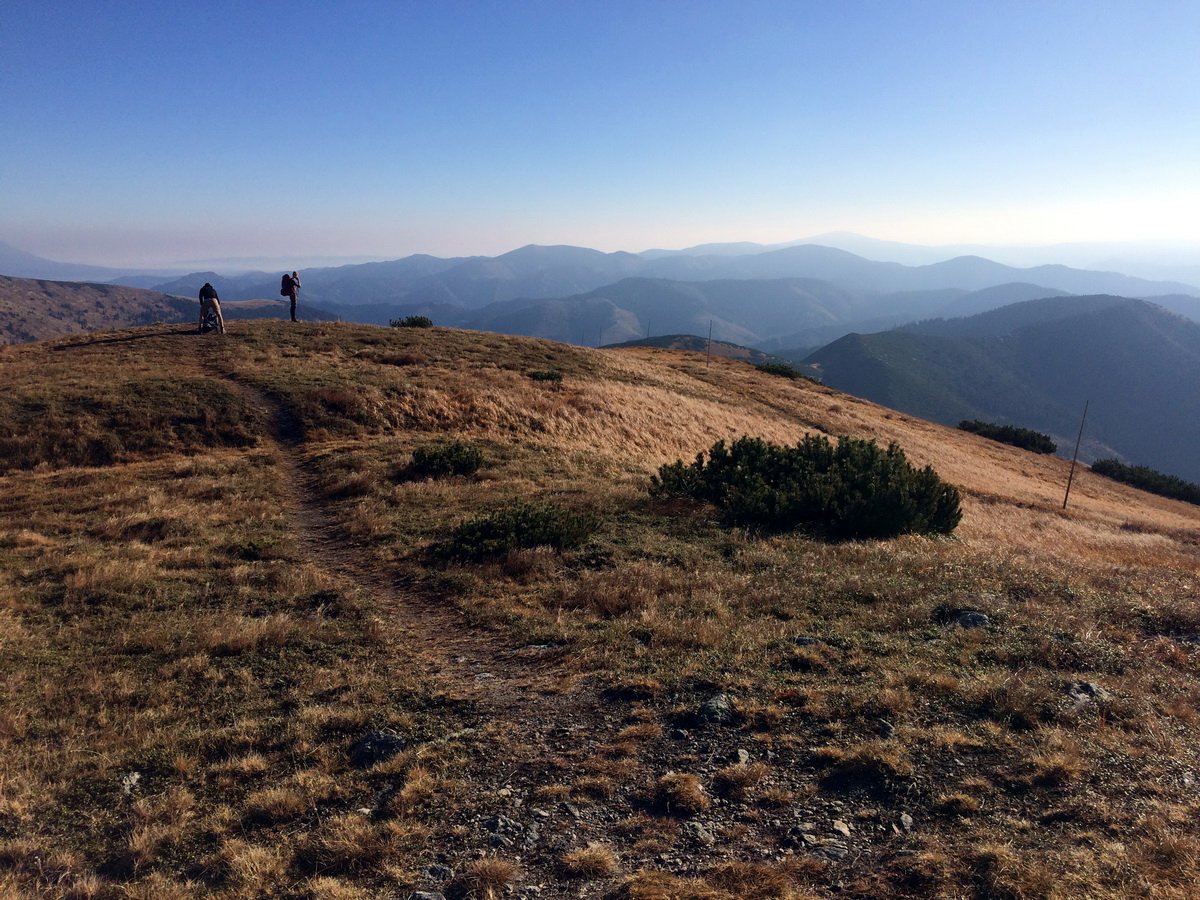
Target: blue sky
(147,133)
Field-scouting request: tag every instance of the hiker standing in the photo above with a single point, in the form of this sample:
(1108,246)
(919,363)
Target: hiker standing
(290,287)
(210,301)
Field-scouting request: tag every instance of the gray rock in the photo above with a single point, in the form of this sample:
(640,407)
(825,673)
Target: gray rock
(1087,692)
(841,828)
(502,825)
(129,783)
(699,834)
(375,747)
(718,710)
(741,757)
(885,729)
(426,895)
(906,821)
(439,872)
(833,850)
(970,618)
(803,640)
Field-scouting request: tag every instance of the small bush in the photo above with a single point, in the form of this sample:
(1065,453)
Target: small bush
(854,490)
(520,526)
(412,322)
(1024,438)
(782,370)
(457,458)
(552,375)
(1148,480)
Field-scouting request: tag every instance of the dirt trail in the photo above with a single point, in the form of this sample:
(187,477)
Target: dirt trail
(466,663)
(523,701)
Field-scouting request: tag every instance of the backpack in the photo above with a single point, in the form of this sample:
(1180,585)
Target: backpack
(285,287)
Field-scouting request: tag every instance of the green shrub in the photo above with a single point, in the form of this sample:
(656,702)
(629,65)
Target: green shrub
(849,491)
(782,370)
(443,461)
(412,322)
(546,375)
(523,525)
(1024,438)
(1148,480)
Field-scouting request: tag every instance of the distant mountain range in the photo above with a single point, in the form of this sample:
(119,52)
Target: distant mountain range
(969,338)
(1034,364)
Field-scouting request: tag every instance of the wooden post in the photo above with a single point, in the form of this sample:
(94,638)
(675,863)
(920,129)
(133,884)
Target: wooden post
(1078,438)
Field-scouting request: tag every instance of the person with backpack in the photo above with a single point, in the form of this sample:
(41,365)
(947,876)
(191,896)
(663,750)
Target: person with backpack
(290,287)
(210,304)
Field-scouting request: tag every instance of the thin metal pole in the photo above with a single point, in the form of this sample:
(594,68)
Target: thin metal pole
(708,353)
(1078,438)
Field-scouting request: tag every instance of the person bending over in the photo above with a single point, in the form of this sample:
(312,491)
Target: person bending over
(210,302)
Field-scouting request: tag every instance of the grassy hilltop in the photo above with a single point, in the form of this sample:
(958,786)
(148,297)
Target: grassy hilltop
(221,570)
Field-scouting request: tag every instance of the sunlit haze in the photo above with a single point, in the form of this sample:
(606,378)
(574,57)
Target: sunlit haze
(156,133)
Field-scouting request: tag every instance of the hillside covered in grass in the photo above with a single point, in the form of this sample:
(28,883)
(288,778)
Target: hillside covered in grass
(37,310)
(254,640)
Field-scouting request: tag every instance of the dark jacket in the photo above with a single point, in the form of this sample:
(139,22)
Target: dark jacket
(208,292)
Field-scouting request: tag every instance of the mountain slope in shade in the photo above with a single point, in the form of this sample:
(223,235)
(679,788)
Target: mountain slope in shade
(1034,365)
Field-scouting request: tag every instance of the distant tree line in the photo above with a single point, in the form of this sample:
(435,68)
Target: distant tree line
(1025,438)
(1148,480)
(782,370)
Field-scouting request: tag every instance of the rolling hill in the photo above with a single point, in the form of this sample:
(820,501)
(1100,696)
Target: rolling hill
(1034,365)
(253,645)
(32,310)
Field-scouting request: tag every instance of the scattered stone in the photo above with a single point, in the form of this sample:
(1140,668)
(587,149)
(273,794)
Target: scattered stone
(807,827)
(718,710)
(841,828)
(803,640)
(572,809)
(426,895)
(502,825)
(679,734)
(439,872)
(375,747)
(906,821)
(540,813)
(699,834)
(885,729)
(129,783)
(810,839)
(1086,692)
(742,757)
(480,676)
(833,850)
(970,618)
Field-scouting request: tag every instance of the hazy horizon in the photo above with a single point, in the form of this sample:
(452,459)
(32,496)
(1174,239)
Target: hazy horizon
(146,135)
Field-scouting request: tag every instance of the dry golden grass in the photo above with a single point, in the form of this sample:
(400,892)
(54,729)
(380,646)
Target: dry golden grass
(592,861)
(162,616)
(681,794)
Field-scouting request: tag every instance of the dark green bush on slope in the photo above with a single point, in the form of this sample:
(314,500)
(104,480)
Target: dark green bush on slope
(522,525)
(1025,438)
(456,458)
(849,491)
(412,322)
(1148,479)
